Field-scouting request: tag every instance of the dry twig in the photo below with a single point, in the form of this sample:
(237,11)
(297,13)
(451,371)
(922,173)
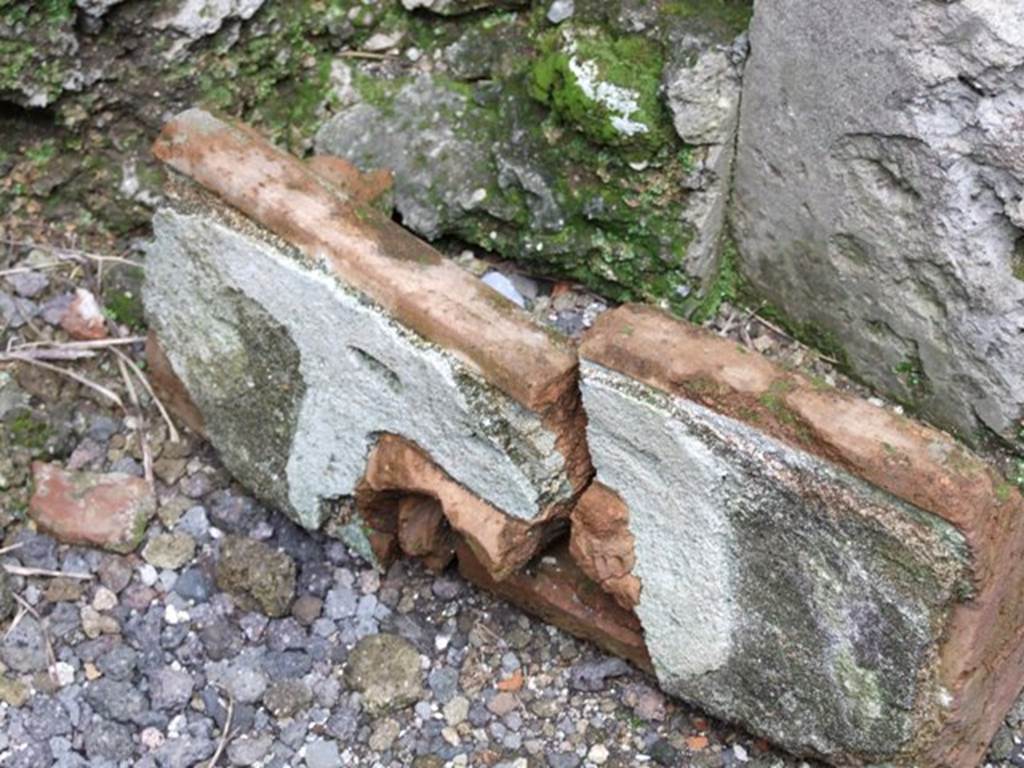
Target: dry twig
(19,570)
(371,55)
(171,429)
(117,341)
(778,330)
(140,424)
(72,253)
(42,627)
(8,357)
(224,735)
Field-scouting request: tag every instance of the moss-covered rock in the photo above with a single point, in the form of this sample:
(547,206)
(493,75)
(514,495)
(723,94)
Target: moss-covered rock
(36,43)
(564,152)
(258,576)
(488,164)
(604,86)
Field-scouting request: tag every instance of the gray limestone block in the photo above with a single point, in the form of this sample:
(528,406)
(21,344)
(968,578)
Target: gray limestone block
(878,194)
(776,589)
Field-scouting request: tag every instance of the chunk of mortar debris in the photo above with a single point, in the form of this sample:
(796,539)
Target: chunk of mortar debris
(256,575)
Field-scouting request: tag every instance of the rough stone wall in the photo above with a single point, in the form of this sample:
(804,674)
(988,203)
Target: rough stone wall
(879,189)
(599,148)
(834,576)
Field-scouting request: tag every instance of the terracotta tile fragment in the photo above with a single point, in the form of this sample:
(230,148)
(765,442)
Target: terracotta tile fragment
(108,511)
(84,317)
(557,591)
(602,545)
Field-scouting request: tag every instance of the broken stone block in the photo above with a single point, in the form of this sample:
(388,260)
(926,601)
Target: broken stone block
(882,212)
(100,510)
(306,328)
(836,577)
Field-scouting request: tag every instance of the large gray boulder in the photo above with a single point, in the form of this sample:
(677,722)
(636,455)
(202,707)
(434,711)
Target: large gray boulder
(878,194)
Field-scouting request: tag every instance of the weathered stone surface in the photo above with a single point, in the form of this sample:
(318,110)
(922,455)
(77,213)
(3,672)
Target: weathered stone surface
(702,92)
(257,575)
(855,601)
(101,510)
(878,194)
(437,359)
(194,19)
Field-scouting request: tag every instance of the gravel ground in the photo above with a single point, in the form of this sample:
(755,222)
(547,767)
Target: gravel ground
(167,658)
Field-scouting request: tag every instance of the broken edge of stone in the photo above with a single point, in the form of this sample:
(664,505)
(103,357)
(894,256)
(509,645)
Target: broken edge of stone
(981,657)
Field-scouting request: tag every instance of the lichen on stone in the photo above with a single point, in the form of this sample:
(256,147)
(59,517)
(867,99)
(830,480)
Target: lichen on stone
(602,85)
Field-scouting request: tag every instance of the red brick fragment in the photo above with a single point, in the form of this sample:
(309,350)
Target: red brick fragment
(397,467)
(169,388)
(84,319)
(602,545)
(556,590)
(108,511)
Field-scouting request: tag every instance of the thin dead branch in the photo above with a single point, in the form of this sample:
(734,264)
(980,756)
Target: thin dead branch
(8,357)
(140,423)
(17,357)
(50,655)
(19,570)
(772,326)
(172,431)
(370,55)
(115,341)
(71,253)
(225,734)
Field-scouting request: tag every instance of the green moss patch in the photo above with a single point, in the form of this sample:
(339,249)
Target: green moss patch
(604,86)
